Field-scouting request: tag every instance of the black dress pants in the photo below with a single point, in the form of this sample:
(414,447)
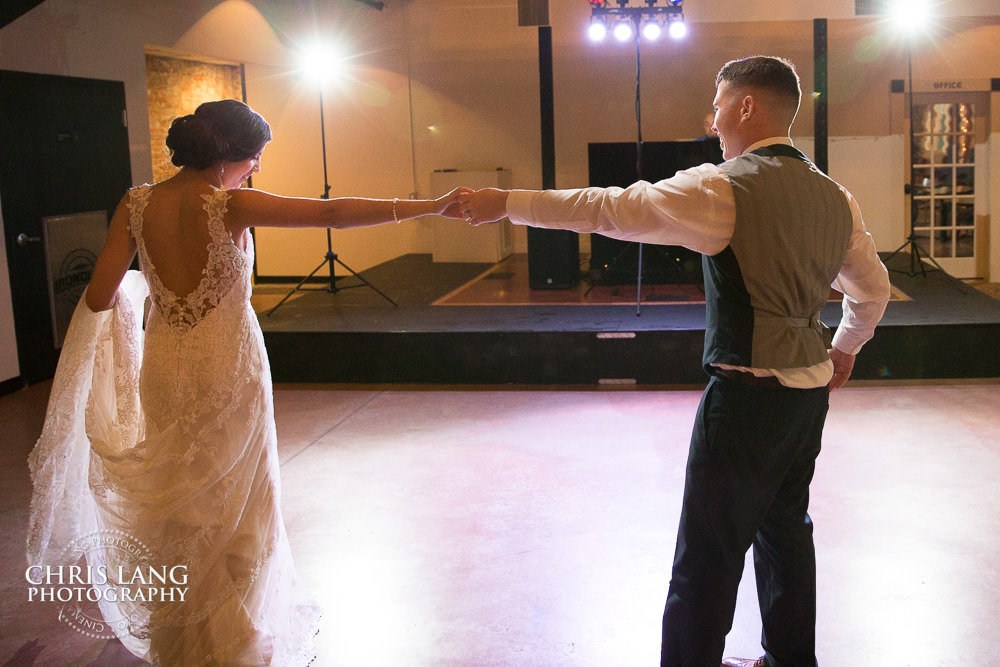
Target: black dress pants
(752,457)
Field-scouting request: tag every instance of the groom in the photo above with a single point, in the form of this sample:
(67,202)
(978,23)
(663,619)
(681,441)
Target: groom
(775,234)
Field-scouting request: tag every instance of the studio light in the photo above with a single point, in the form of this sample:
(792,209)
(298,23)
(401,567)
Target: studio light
(321,63)
(627,19)
(910,16)
(912,19)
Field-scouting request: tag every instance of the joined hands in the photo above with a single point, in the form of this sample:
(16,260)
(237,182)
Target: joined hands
(478,207)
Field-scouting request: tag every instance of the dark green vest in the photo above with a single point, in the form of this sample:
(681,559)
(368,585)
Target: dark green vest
(765,290)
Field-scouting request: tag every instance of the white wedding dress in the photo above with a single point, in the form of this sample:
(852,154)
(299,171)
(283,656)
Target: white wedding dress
(167,436)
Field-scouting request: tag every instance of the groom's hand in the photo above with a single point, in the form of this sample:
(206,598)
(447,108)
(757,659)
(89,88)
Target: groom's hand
(484,206)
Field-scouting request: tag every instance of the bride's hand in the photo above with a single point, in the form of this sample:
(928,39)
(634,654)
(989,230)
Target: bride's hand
(448,206)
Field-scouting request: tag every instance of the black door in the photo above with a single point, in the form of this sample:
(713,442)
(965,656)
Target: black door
(63,150)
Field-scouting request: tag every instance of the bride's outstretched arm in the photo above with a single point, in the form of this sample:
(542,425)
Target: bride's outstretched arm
(255,208)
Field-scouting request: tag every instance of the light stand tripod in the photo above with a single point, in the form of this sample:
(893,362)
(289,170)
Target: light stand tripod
(330,258)
(917,255)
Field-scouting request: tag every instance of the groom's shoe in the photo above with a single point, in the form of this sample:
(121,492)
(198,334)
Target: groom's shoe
(743,662)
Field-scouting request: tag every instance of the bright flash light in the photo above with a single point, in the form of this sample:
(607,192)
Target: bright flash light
(321,63)
(623,31)
(678,29)
(651,31)
(910,16)
(597,31)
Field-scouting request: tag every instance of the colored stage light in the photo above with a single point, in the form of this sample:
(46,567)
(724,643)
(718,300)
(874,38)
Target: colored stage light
(623,31)
(627,19)
(597,31)
(678,29)
(651,30)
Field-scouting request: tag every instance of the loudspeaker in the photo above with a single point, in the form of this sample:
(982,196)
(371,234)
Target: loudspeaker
(553,258)
(532,12)
(616,262)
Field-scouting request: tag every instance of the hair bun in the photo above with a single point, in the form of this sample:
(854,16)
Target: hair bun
(190,142)
(220,130)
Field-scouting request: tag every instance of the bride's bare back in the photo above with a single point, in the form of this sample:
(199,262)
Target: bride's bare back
(176,233)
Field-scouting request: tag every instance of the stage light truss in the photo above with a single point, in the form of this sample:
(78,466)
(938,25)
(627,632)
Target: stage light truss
(626,19)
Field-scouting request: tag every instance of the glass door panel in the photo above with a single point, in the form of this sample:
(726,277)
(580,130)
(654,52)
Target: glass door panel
(943,183)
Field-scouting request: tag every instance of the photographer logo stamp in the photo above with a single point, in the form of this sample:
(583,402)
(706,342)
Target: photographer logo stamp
(101,579)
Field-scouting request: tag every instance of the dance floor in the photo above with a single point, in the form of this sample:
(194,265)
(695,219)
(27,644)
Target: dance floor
(470,478)
(450,526)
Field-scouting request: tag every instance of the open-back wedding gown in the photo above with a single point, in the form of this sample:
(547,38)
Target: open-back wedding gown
(167,436)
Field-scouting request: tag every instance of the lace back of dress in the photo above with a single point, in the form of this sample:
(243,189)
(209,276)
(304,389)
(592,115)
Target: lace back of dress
(224,269)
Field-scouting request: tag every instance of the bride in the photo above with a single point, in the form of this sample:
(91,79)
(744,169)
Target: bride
(165,433)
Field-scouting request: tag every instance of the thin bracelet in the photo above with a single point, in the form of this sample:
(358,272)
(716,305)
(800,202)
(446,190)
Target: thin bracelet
(394,216)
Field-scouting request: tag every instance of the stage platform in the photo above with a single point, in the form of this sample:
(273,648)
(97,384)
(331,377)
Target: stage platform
(458,323)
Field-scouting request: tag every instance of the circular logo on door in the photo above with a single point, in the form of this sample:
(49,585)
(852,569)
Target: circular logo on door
(74,274)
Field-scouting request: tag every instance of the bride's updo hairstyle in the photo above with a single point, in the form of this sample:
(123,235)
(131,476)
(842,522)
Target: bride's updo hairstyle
(224,130)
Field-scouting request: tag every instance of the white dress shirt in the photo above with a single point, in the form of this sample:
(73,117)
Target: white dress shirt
(696,209)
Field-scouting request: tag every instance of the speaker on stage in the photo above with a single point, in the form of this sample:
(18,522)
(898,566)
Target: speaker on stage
(616,262)
(553,258)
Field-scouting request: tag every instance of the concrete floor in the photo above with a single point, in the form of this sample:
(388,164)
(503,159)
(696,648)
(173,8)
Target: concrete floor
(490,526)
